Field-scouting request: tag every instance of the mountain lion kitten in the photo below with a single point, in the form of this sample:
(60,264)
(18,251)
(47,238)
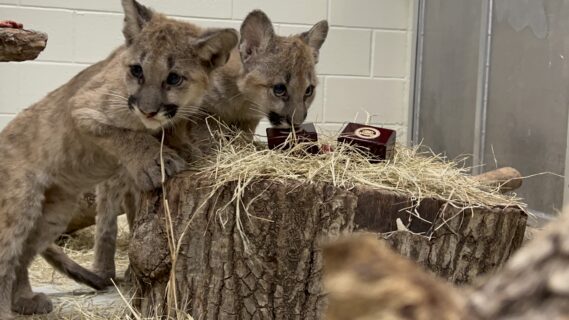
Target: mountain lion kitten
(98,124)
(268,76)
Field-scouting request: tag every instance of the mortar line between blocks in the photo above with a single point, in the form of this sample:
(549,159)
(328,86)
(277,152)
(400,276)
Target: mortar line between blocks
(372,56)
(324,97)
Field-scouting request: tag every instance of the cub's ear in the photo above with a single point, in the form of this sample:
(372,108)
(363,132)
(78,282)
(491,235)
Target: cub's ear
(214,47)
(316,36)
(256,34)
(136,16)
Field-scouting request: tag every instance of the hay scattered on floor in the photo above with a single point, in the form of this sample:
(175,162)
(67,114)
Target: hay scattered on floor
(74,301)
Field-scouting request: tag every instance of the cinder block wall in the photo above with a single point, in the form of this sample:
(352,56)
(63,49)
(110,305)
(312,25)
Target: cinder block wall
(365,64)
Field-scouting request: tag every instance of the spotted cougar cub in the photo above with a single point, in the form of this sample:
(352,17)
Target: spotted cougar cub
(98,124)
(268,76)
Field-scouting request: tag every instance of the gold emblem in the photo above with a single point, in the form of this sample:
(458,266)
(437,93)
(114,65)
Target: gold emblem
(367,133)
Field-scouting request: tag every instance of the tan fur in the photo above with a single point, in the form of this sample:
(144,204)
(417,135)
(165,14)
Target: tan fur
(241,95)
(243,89)
(365,279)
(90,130)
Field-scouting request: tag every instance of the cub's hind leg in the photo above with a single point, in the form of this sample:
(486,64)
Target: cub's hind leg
(57,209)
(20,208)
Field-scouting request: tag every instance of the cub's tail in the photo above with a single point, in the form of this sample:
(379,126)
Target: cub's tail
(55,256)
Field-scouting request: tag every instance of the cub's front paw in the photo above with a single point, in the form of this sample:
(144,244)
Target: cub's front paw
(147,173)
(39,303)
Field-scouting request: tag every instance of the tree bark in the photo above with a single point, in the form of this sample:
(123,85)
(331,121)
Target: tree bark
(534,284)
(21,45)
(456,244)
(281,277)
(367,281)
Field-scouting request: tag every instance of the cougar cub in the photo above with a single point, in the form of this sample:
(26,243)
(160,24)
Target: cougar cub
(268,76)
(98,124)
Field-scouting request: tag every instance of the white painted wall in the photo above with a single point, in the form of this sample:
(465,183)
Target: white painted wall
(365,64)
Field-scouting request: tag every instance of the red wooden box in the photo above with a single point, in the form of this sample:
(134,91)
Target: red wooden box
(277,137)
(378,142)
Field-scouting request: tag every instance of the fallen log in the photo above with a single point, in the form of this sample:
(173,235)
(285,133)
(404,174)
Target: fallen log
(259,257)
(506,178)
(20,45)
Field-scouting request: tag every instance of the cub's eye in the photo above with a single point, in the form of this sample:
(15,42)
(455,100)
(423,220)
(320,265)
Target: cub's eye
(136,71)
(174,79)
(279,90)
(309,91)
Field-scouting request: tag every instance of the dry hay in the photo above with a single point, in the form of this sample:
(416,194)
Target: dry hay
(74,301)
(412,172)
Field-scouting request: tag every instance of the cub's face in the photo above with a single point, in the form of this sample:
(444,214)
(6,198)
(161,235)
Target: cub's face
(280,78)
(167,65)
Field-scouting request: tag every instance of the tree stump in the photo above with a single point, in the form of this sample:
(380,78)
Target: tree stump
(20,44)
(280,276)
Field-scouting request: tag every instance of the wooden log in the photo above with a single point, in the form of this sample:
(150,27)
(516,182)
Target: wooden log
(21,45)
(278,278)
(456,244)
(365,280)
(281,276)
(534,284)
(506,178)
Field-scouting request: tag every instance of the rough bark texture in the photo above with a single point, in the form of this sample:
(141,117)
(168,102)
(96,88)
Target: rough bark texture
(366,281)
(21,45)
(534,284)
(461,244)
(476,243)
(280,278)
